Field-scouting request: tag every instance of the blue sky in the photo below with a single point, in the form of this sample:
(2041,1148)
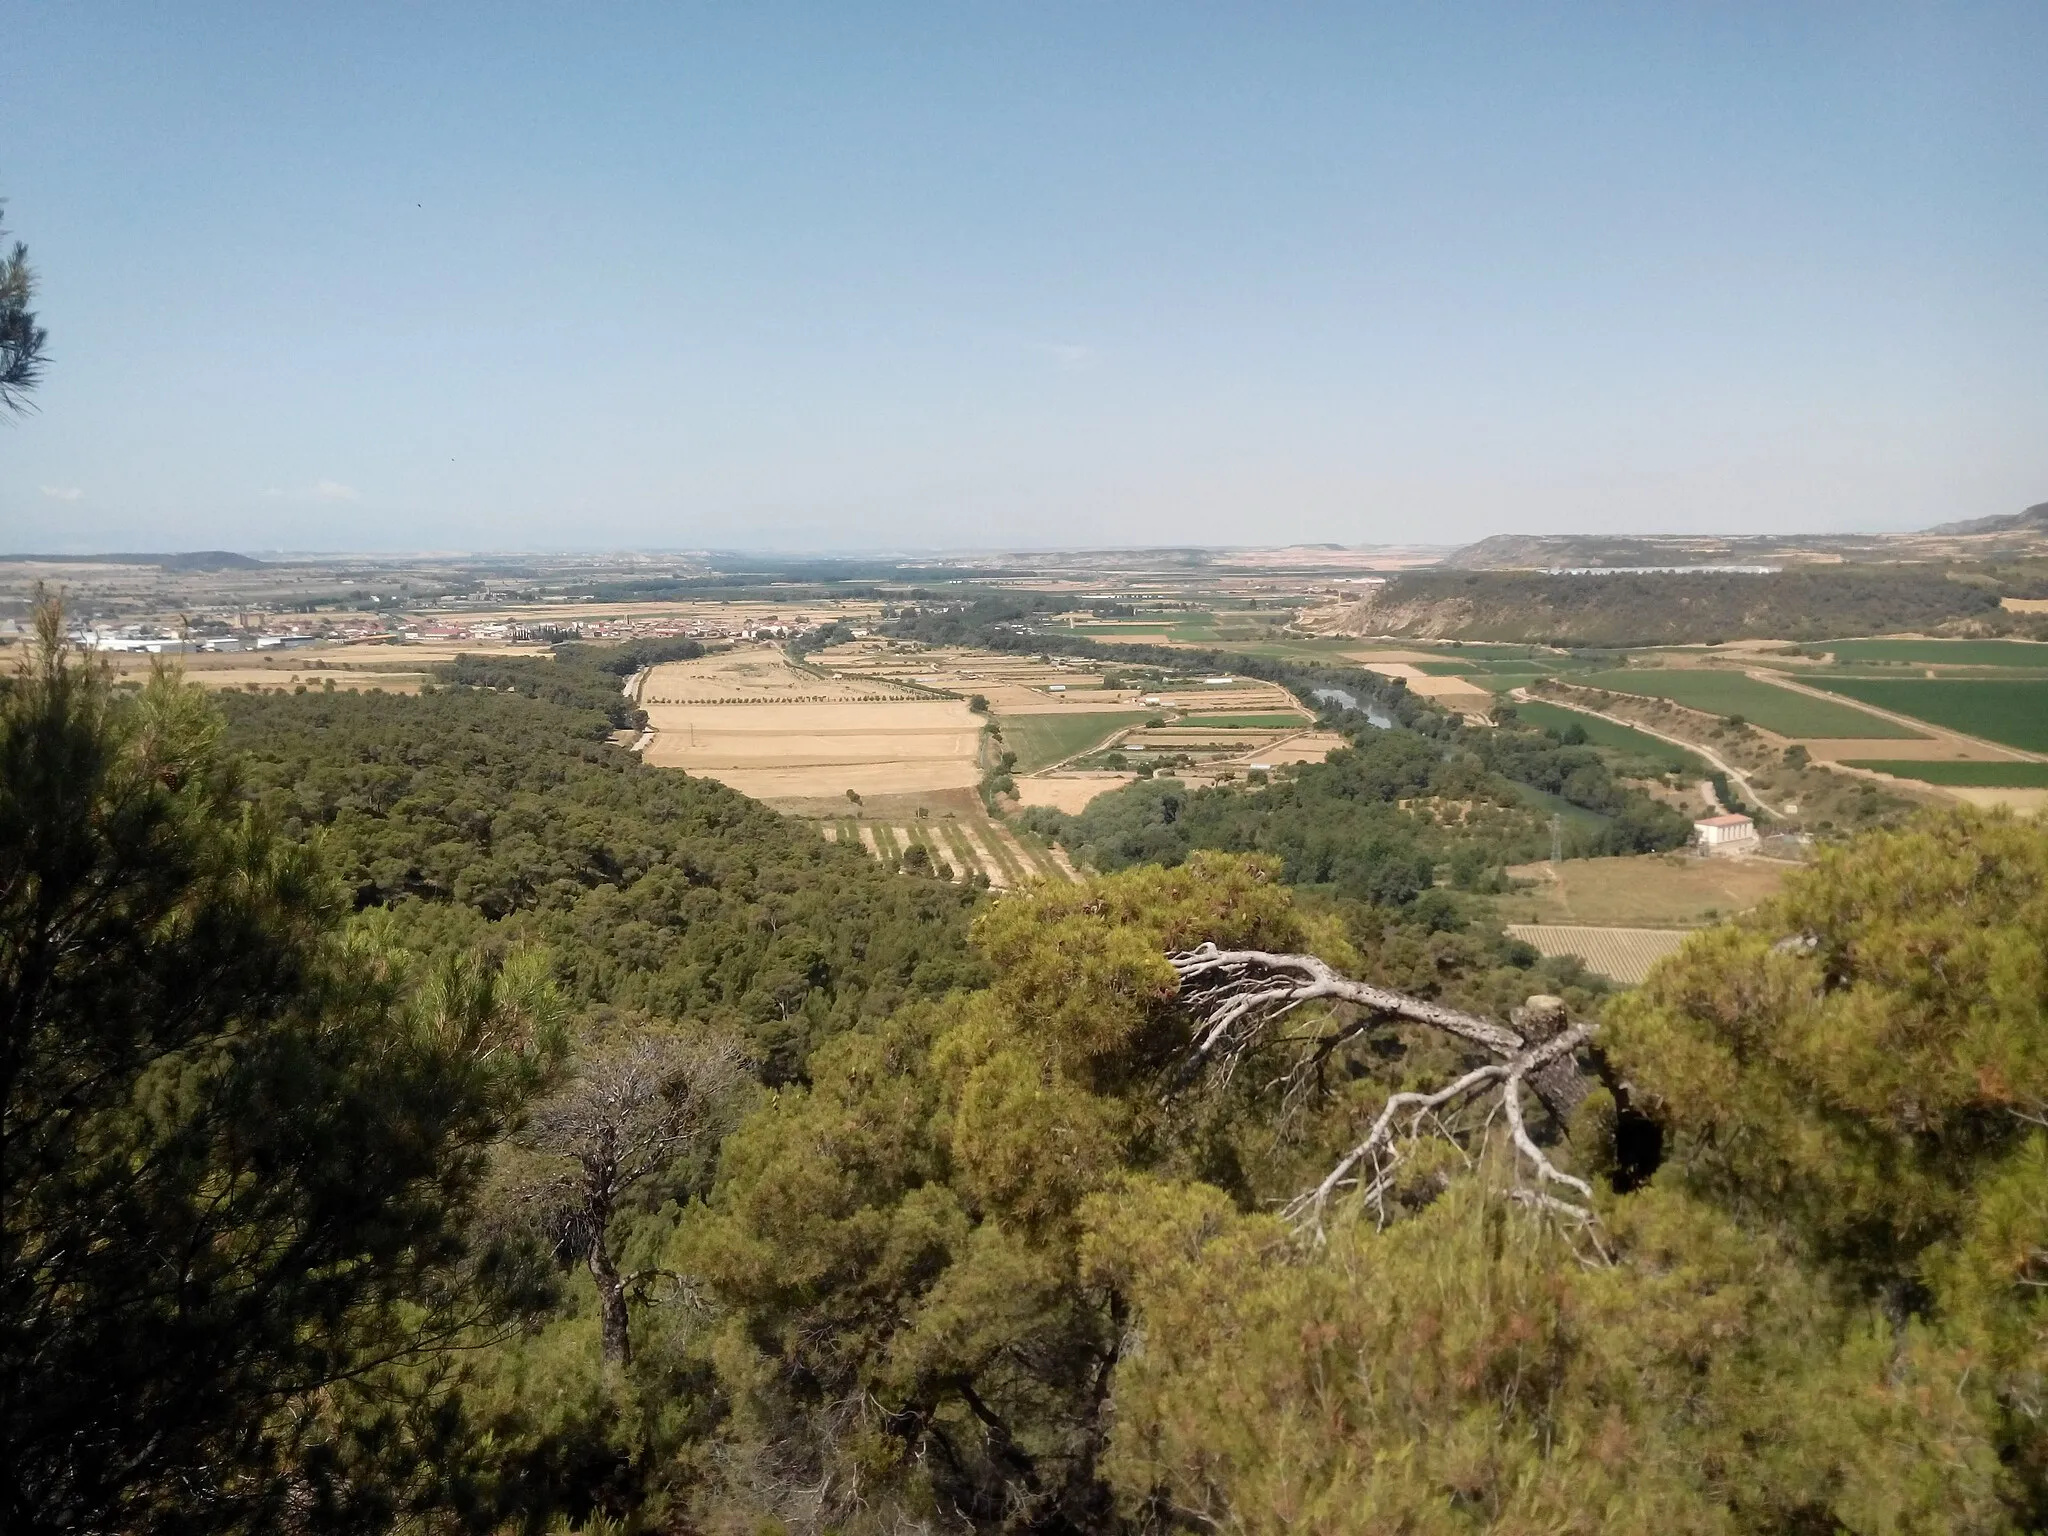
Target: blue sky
(915,276)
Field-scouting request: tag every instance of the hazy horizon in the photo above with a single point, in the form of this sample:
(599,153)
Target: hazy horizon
(800,280)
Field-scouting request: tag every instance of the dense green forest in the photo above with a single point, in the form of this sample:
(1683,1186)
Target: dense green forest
(1380,818)
(1627,609)
(419,1115)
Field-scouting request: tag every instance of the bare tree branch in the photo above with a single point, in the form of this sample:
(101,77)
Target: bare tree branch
(1235,997)
(630,1109)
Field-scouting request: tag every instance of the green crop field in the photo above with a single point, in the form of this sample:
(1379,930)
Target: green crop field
(1973,775)
(1731,693)
(1946,653)
(1248,722)
(1040,740)
(2013,713)
(1605,733)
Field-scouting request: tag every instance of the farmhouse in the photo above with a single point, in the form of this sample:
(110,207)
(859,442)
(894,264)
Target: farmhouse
(1730,833)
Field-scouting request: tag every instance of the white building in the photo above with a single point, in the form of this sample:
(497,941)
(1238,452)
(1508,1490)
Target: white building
(1729,834)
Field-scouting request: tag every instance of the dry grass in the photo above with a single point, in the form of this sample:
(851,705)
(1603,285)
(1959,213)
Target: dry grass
(1308,747)
(1947,747)
(1070,792)
(1658,890)
(2022,802)
(1452,691)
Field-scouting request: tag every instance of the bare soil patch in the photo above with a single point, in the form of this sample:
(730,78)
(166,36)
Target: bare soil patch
(1070,792)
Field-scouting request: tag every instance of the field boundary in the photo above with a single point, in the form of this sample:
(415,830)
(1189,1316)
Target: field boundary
(2019,754)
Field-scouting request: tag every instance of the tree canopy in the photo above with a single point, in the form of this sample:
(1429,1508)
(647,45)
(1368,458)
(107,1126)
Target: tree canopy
(21,339)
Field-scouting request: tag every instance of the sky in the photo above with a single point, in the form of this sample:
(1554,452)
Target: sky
(892,276)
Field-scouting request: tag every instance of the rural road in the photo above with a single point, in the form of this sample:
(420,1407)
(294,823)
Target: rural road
(1735,775)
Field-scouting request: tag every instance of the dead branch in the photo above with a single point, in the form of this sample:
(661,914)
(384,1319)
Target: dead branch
(1235,996)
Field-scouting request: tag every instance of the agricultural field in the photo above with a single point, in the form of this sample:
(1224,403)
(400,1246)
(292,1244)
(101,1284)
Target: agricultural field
(958,847)
(1273,722)
(1623,955)
(1973,775)
(1040,740)
(1779,710)
(1659,890)
(1451,692)
(1607,733)
(344,669)
(1069,792)
(1941,653)
(2011,712)
(772,730)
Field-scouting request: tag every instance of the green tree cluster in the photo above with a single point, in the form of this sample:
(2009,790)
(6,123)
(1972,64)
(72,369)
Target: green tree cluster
(484,820)
(238,1144)
(1378,819)
(999,1263)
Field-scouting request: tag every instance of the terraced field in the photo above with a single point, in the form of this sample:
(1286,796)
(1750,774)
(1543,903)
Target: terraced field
(2012,712)
(1733,693)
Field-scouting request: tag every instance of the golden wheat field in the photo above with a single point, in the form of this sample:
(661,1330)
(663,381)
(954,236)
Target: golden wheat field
(754,720)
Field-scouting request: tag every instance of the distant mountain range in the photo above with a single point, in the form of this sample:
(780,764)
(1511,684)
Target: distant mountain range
(194,560)
(2034,518)
(2010,536)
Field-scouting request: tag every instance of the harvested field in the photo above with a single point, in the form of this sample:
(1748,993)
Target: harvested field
(772,731)
(280,680)
(1455,692)
(1781,710)
(1623,955)
(1654,890)
(1275,722)
(1308,747)
(1070,792)
(758,675)
(2013,713)
(359,667)
(1945,747)
(419,653)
